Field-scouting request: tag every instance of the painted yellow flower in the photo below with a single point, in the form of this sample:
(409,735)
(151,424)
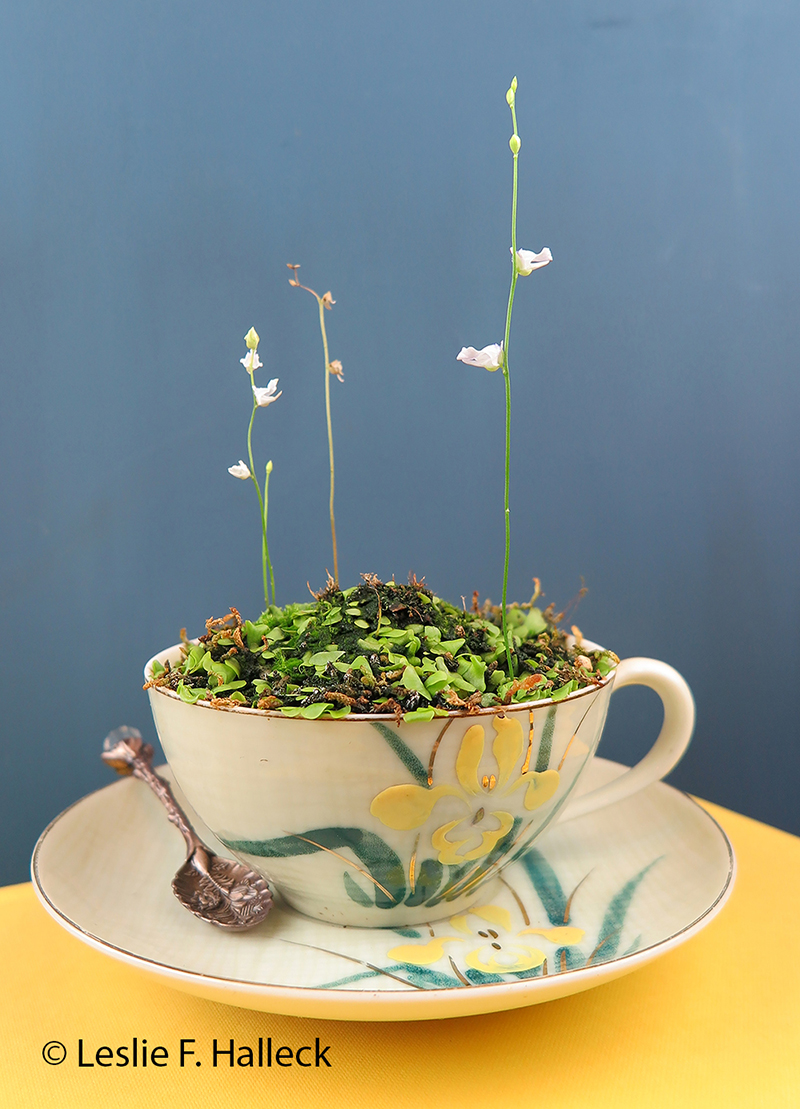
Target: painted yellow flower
(498,951)
(476,833)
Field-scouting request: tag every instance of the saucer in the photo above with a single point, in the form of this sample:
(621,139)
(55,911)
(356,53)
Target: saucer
(597,897)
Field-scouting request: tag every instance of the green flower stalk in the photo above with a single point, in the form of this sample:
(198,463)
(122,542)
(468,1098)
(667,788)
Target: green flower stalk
(495,357)
(332,369)
(262,398)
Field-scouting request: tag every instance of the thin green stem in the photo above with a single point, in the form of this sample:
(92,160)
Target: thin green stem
(266,544)
(254,479)
(320,301)
(507,377)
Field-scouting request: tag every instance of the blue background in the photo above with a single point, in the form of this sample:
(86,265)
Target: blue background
(162,162)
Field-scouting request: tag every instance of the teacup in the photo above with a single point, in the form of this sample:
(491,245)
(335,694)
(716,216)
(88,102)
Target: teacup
(375,822)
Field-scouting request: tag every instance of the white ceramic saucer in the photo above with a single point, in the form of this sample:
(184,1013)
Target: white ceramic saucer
(598,897)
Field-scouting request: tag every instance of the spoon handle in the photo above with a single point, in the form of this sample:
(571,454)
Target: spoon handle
(125,750)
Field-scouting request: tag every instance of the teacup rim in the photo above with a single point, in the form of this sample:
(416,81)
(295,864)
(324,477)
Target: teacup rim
(372,717)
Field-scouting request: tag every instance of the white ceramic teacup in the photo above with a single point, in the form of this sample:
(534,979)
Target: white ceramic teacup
(366,821)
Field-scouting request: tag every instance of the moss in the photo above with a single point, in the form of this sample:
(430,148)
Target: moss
(382,647)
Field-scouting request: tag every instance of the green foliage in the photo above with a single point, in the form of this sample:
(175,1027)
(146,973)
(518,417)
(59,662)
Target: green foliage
(383,648)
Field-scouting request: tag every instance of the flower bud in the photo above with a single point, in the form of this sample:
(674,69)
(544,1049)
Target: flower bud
(513,84)
(251,338)
(515,144)
(510,97)
(269,467)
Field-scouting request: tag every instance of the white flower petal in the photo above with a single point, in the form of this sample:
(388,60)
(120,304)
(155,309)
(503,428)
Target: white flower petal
(489,358)
(251,361)
(266,396)
(240,470)
(527,261)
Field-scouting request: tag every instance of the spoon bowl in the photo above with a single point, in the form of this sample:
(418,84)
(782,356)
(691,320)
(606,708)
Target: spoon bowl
(217,890)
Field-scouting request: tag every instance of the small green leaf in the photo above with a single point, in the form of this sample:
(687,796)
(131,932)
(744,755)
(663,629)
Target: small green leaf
(605,664)
(412,681)
(472,669)
(361,623)
(437,682)
(322,658)
(313,712)
(420,714)
(534,624)
(253,634)
(191,696)
(227,686)
(360,663)
(560,694)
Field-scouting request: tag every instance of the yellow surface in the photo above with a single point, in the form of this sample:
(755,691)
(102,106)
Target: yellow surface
(715,1023)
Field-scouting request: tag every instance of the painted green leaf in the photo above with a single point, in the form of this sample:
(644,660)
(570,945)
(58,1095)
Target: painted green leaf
(355,892)
(614,919)
(404,753)
(374,854)
(428,880)
(546,742)
(547,886)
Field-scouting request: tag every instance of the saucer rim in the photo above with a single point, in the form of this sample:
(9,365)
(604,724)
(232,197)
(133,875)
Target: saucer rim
(344,1004)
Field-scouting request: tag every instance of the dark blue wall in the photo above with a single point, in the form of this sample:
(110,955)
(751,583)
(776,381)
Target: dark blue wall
(161,162)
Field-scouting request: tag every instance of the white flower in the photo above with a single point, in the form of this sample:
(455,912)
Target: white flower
(240,470)
(490,358)
(251,361)
(268,395)
(527,261)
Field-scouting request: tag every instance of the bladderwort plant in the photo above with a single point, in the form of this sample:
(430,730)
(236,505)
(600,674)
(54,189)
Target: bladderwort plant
(495,356)
(262,398)
(332,369)
(382,647)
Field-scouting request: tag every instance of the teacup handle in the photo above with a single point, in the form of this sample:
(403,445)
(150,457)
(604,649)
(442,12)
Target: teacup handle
(672,741)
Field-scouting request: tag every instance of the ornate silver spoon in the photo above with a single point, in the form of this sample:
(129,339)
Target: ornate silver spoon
(215,889)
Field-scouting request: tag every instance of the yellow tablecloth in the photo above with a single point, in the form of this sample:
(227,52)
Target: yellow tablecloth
(715,1023)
